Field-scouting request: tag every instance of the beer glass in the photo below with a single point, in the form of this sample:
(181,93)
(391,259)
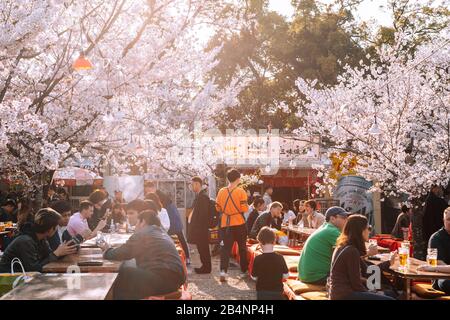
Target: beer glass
(432,257)
(403,254)
(100,238)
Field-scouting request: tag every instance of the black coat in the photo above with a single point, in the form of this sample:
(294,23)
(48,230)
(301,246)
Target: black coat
(54,241)
(33,253)
(251,220)
(98,215)
(198,228)
(433,218)
(264,220)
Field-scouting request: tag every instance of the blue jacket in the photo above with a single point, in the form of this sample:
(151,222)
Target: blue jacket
(176,226)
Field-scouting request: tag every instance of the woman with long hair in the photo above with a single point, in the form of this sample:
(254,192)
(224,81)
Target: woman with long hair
(345,274)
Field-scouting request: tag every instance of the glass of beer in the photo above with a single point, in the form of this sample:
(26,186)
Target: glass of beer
(403,254)
(432,257)
(2,227)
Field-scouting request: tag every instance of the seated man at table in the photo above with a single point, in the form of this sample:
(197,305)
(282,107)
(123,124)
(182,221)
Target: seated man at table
(440,240)
(159,269)
(31,246)
(133,209)
(61,234)
(315,259)
(6,210)
(78,223)
(271,219)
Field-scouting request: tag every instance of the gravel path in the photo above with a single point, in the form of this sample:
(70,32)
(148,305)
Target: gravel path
(208,286)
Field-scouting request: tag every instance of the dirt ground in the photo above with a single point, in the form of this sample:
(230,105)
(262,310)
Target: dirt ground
(208,286)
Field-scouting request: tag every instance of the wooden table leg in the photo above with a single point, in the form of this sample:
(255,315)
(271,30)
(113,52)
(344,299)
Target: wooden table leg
(408,288)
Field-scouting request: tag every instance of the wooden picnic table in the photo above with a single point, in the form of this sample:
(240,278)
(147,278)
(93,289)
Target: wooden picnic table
(411,273)
(85,254)
(115,240)
(304,233)
(81,286)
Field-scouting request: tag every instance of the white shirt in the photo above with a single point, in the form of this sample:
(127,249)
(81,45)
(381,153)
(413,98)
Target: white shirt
(316,220)
(250,209)
(164,217)
(60,231)
(77,224)
(267,199)
(290,215)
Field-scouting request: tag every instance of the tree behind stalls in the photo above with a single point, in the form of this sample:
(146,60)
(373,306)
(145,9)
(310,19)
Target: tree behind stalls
(419,20)
(274,52)
(148,77)
(409,98)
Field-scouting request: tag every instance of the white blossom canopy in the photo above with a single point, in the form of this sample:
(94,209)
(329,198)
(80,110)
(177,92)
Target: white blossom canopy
(394,116)
(149,79)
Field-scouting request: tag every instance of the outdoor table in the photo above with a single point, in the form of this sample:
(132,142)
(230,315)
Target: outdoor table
(304,233)
(411,273)
(81,286)
(115,240)
(85,254)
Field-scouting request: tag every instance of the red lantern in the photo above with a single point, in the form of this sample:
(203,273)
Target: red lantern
(82,63)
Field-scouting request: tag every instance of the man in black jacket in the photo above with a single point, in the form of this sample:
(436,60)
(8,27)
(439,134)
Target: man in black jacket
(31,246)
(271,218)
(6,211)
(434,208)
(61,234)
(198,225)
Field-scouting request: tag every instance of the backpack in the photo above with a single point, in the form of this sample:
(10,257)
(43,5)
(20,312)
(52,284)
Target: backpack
(214,214)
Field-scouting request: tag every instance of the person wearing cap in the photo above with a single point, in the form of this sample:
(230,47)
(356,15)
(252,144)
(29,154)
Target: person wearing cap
(315,259)
(6,211)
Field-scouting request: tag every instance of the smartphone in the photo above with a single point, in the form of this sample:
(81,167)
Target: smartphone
(375,258)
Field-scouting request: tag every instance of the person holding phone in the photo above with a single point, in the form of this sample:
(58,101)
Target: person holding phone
(31,246)
(78,223)
(158,269)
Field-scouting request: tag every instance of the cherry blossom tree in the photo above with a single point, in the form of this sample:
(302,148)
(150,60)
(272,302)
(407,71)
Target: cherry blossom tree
(147,88)
(393,116)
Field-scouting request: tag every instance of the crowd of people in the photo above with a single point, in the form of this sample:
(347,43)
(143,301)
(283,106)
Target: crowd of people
(333,255)
(54,232)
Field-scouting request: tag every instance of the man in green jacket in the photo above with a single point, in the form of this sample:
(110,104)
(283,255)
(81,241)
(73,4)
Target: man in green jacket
(315,260)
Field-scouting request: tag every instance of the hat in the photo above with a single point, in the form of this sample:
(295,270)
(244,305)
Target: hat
(335,211)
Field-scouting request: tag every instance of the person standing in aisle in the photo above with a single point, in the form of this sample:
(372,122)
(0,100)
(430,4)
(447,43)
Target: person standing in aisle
(231,202)
(198,225)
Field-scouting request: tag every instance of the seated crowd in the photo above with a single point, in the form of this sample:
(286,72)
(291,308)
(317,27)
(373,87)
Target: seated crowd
(332,256)
(54,232)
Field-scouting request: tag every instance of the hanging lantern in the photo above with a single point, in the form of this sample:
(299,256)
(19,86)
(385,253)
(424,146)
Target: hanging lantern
(374,129)
(82,63)
(336,130)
